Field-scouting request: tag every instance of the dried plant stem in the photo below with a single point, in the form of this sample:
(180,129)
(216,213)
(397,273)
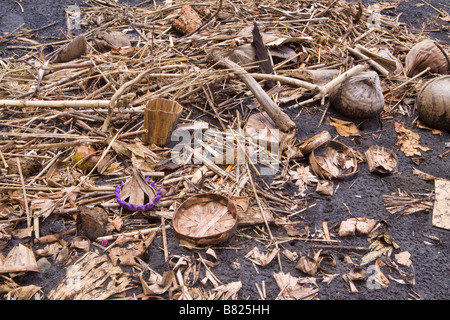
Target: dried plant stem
(326,89)
(25,198)
(164,235)
(68,144)
(5,164)
(133,233)
(412,79)
(263,214)
(287,80)
(282,120)
(118,94)
(370,61)
(50,163)
(55,103)
(54,237)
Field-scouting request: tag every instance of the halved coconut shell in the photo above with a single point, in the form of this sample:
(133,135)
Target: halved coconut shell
(205,219)
(314,142)
(333,160)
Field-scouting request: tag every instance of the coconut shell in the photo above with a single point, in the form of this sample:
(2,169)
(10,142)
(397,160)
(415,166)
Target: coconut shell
(433,103)
(423,55)
(107,40)
(360,96)
(205,219)
(73,50)
(91,222)
(333,160)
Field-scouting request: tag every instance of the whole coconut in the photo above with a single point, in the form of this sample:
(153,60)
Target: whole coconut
(360,96)
(426,54)
(433,103)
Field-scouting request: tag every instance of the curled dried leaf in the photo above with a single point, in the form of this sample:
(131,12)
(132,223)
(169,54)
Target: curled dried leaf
(357,273)
(307,265)
(382,160)
(82,243)
(333,160)
(314,142)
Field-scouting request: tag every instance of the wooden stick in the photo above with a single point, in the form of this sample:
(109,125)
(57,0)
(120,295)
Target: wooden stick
(370,61)
(412,79)
(333,247)
(58,145)
(25,199)
(287,80)
(2,157)
(132,233)
(263,214)
(117,95)
(166,252)
(54,237)
(282,120)
(326,89)
(55,103)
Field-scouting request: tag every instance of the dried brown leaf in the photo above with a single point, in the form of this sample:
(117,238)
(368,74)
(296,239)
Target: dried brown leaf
(19,259)
(382,160)
(205,219)
(307,265)
(403,258)
(292,288)
(380,244)
(261,259)
(136,190)
(408,140)
(345,128)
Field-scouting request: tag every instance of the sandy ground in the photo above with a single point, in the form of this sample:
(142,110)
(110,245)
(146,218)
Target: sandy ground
(361,195)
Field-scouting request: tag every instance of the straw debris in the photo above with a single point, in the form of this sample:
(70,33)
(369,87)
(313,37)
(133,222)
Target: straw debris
(232,64)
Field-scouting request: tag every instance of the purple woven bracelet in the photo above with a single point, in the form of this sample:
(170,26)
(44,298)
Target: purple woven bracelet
(133,207)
